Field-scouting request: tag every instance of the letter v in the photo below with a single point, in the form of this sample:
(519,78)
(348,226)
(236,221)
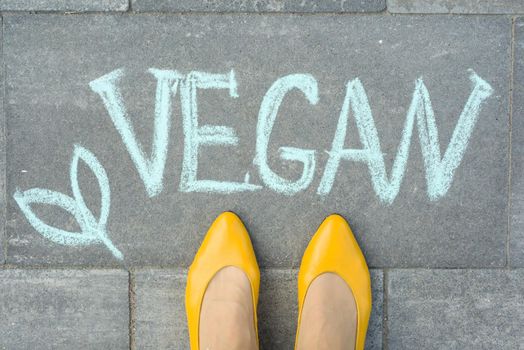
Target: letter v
(150,170)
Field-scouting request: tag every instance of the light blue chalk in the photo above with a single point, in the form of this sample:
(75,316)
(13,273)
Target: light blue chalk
(93,231)
(266,119)
(439,171)
(150,169)
(196,136)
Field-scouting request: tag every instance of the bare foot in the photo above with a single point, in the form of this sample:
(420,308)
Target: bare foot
(226,318)
(329,316)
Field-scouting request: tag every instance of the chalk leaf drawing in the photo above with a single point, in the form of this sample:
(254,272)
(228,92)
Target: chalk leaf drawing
(93,231)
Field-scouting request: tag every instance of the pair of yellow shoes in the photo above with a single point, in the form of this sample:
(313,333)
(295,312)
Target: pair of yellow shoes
(332,249)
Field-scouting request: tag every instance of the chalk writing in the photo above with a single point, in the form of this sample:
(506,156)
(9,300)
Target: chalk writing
(266,118)
(195,136)
(439,170)
(150,170)
(92,230)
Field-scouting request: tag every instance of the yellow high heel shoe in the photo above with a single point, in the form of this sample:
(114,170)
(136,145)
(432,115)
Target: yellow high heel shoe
(226,244)
(334,249)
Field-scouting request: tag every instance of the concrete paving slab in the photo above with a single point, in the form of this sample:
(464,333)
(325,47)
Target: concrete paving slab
(308,6)
(3,202)
(438,217)
(64,309)
(64,6)
(516,241)
(455,309)
(161,319)
(456,6)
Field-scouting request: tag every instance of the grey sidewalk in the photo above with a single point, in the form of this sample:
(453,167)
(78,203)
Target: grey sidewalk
(445,244)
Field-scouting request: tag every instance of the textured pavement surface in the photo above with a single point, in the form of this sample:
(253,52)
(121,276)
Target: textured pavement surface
(467,228)
(447,269)
(64,309)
